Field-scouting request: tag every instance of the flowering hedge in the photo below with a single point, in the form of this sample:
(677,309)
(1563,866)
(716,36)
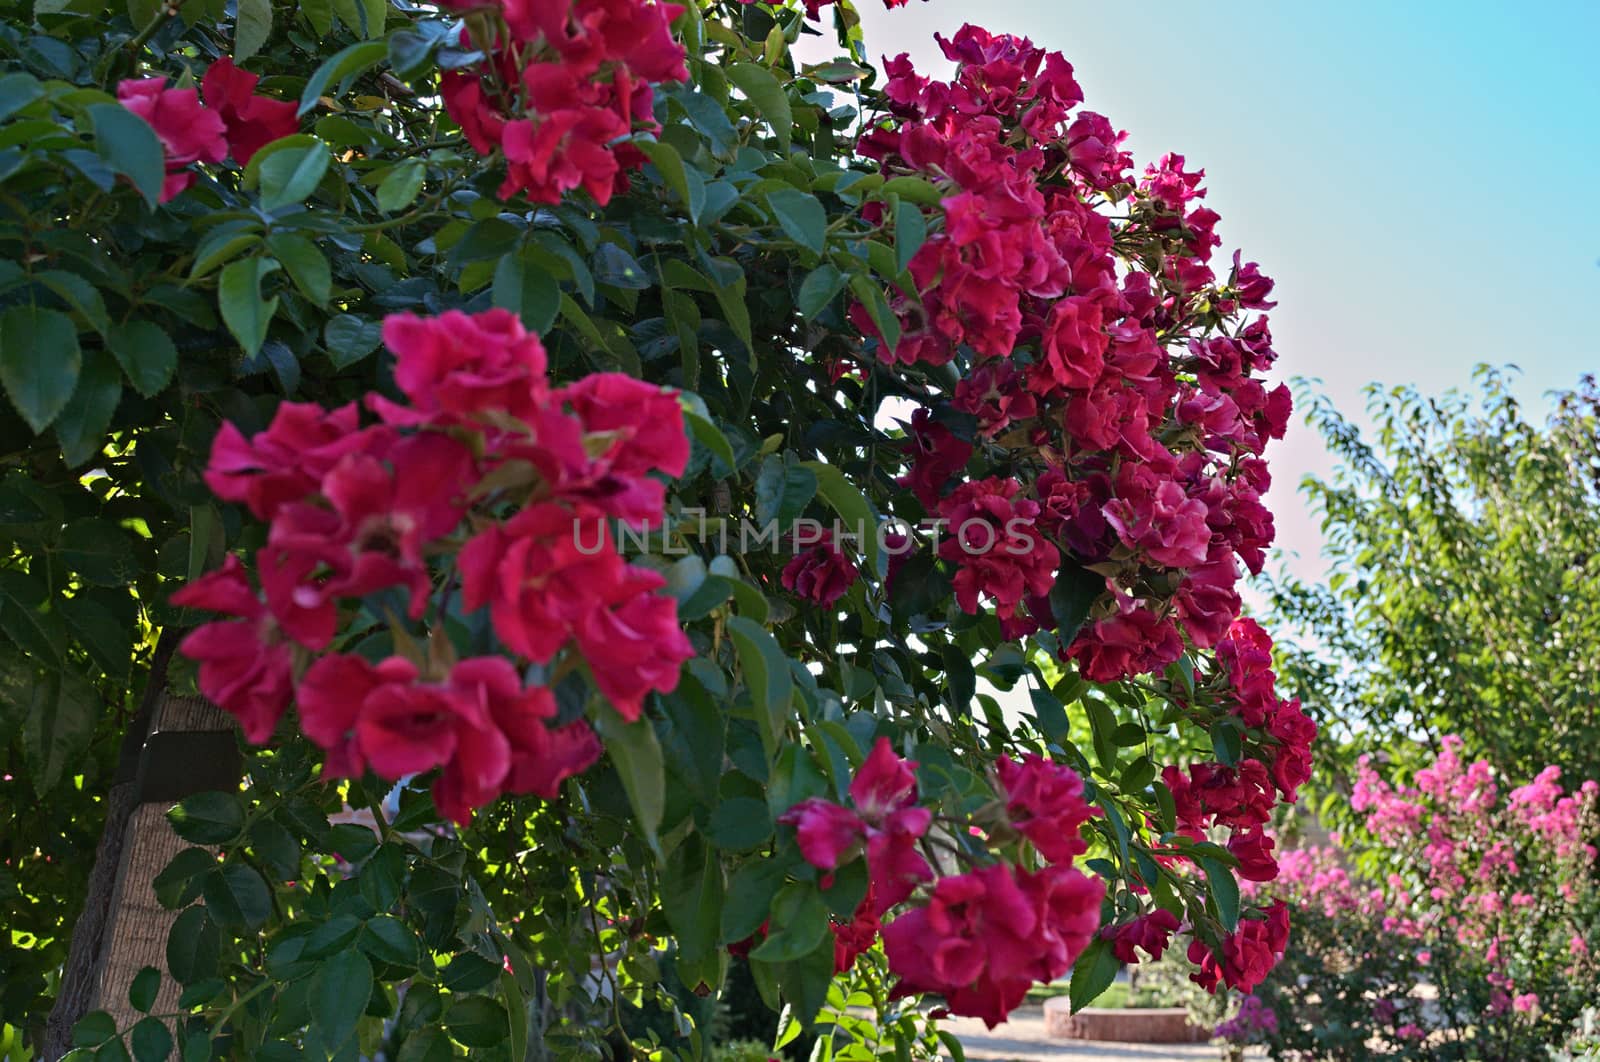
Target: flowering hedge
(1458,922)
(629,463)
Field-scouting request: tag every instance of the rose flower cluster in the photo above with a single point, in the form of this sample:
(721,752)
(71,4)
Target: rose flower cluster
(979,938)
(1105,363)
(234,119)
(484,470)
(563,82)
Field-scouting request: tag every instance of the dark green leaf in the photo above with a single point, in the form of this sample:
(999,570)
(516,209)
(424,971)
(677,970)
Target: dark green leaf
(151,1041)
(477,1021)
(288,177)
(1224,891)
(818,289)
(400,186)
(57,730)
(128,145)
(237,897)
(636,754)
(1092,974)
(758,83)
(526,288)
(351,60)
(145,353)
(208,818)
(350,338)
(801,216)
(339,994)
(193,947)
(181,880)
(81,427)
(246,313)
(39,362)
(305,263)
(101,553)
(252,27)
(144,989)
(766,675)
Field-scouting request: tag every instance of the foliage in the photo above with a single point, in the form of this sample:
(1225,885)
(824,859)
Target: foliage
(1465,591)
(818,298)
(1459,921)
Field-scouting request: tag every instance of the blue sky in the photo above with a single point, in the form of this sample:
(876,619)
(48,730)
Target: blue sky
(1422,179)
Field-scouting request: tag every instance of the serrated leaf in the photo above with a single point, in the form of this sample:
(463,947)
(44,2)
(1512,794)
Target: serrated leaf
(289,177)
(355,58)
(252,27)
(350,338)
(81,426)
(128,145)
(636,754)
(759,84)
(244,311)
(1092,974)
(818,289)
(208,818)
(305,263)
(146,354)
(39,362)
(801,217)
(194,947)
(400,186)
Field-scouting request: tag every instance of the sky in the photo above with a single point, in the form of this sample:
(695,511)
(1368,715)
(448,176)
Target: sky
(1422,179)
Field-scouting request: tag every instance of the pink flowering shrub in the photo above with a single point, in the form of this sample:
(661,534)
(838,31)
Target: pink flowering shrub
(1457,922)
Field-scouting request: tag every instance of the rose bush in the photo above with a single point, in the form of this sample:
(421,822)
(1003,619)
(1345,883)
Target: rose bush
(1458,921)
(627,462)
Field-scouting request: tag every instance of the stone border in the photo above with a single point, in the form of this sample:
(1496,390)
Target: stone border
(1133,1025)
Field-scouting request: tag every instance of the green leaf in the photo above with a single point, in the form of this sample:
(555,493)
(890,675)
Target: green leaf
(766,675)
(146,354)
(801,217)
(1052,716)
(251,29)
(739,824)
(710,436)
(59,725)
(83,297)
(783,490)
(151,1041)
(1092,974)
(691,898)
(389,940)
(400,186)
(350,338)
(237,897)
(852,506)
(101,553)
(636,754)
(39,362)
(107,637)
(883,317)
(305,263)
(319,13)
(208,818)
(1075,591)
(94,1029)
(339,994)
(289,177)
(351,60)
(910,232)
(181,880)
(1224,891)
(477,1021)
(81,427)
(692,192)
(128,145)
(818,289)
(1103,725)
(523,286)
(613,265)
(750,894)
(918,190)
(245,312)
(144,989)
(758,83)
(17,90)
(194,947)
(799,924)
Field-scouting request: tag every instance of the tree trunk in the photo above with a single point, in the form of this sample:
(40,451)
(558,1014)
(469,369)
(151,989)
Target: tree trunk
(176,746)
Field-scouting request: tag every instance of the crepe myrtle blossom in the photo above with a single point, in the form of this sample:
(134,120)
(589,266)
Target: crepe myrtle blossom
(353,510)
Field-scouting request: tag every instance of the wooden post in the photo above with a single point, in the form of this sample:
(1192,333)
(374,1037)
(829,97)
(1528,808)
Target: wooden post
(184,745)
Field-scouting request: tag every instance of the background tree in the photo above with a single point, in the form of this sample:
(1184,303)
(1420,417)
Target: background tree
(1465,588)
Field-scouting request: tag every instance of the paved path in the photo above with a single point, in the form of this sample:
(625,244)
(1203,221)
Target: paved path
(1022,1039)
